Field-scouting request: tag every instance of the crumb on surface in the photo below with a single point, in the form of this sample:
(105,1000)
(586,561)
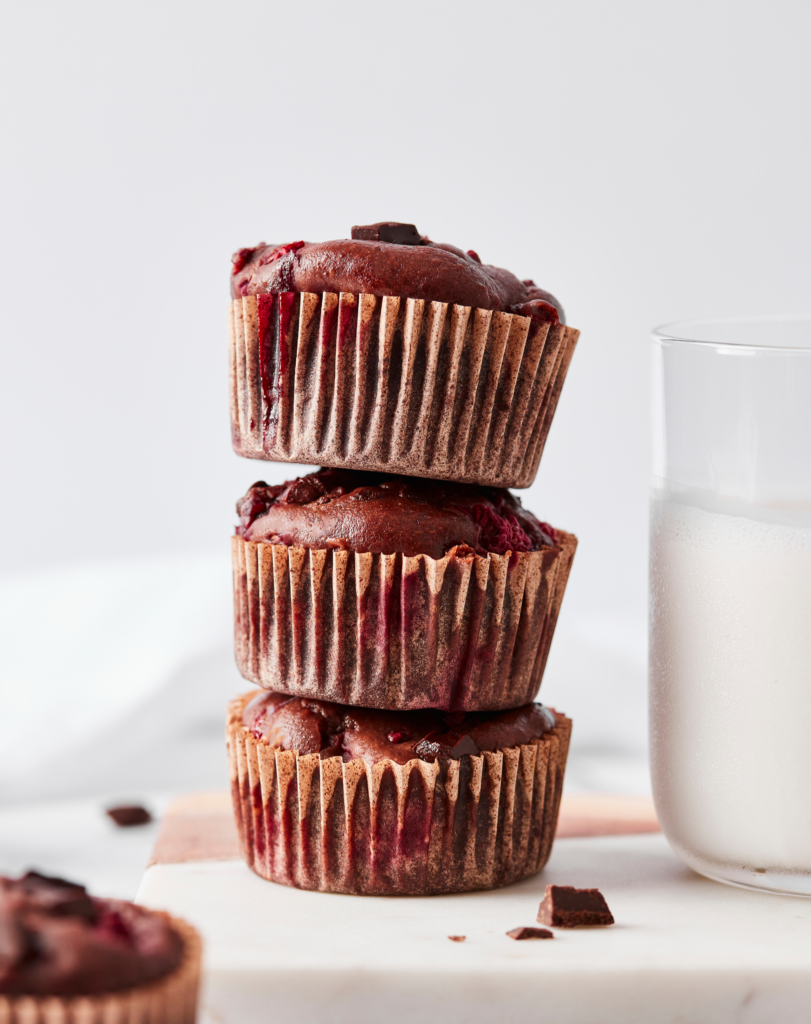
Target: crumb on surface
(530,933)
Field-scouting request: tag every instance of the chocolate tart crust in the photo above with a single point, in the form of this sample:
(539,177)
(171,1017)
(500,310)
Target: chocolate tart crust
(168,1000)
(464,633)
(388,829)
(407,386)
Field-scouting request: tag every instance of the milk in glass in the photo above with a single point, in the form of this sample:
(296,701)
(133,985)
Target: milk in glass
(730,685)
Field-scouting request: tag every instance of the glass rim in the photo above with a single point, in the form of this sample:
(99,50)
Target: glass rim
(675,331)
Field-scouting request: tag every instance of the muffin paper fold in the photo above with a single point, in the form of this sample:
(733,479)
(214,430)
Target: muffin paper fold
(459,633)
(389,829)
(426,389)
(168,1000)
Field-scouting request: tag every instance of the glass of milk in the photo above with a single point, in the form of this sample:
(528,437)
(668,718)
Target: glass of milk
(730,598)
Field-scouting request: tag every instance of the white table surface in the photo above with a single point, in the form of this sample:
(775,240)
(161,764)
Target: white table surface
(684,949)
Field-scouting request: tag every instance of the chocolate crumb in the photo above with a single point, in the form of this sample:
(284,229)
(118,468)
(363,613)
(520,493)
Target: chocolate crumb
(387,231)
(563,906)
(130,814)
(530,933)
(457,938)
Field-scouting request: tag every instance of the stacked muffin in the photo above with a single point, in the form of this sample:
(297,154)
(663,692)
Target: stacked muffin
(397,606)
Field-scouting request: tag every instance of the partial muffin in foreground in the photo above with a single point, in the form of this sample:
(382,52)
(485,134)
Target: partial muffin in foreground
(390,352)
(352,800)
(395,592)
(69,958)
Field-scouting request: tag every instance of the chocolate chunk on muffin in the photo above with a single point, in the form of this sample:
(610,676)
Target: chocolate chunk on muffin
(381,353)
(396,593)
(347,799)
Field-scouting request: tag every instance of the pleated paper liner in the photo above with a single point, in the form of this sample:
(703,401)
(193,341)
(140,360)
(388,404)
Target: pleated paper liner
(460,633)
(389,829)
(398,385)
(168,1000)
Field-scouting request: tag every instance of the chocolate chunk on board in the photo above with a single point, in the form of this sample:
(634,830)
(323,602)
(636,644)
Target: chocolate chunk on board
(563,906)
(457,938)
(130,814)
(387,231)
(530,933)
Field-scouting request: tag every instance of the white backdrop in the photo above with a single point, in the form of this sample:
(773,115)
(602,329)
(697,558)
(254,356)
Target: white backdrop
(644,161)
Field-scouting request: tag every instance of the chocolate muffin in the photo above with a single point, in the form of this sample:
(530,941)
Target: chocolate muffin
(67,956)
(390,352)
(353,800)
(392,592)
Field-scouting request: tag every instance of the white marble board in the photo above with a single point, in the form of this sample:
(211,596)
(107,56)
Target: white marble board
(684,949)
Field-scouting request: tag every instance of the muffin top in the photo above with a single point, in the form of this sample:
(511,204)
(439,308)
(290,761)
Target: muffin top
(389,258)
(386,514)
(55,939)
(338,730)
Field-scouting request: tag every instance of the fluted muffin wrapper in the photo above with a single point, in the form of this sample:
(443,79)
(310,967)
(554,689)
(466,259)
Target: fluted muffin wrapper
(168,1000)
(388,829)
(426,389)
(459,633)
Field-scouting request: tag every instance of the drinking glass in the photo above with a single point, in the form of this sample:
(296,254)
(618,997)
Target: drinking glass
(730,598)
